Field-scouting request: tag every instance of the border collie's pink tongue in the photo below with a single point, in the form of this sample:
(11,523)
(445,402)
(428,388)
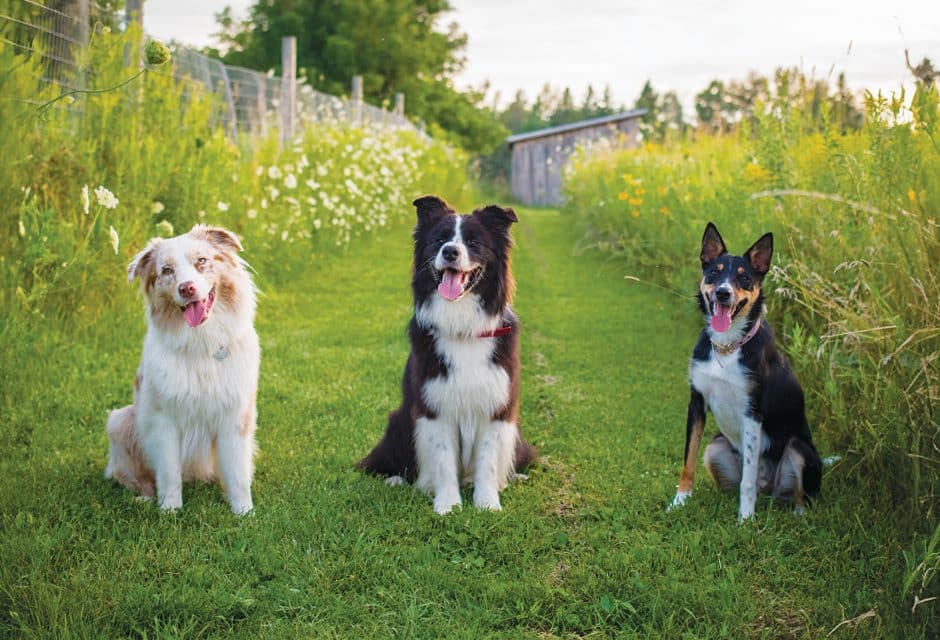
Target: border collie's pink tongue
(196,313)
(451,286)
(722,318)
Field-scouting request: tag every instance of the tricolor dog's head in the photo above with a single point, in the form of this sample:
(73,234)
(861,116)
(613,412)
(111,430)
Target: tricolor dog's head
(183,277)
(459,255)
(731,285)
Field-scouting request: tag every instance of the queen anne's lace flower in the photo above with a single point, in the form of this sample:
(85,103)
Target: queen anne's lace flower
(105,198)
(115,241)
(86,201)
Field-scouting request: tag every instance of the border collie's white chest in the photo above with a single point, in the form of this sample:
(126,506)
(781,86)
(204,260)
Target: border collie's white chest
(725,385)
(474,388)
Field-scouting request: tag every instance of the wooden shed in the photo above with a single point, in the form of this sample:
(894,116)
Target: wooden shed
(539,157)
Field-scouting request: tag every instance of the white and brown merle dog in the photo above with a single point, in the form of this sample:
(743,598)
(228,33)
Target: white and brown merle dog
(765,443)
(459,418)
(193,416)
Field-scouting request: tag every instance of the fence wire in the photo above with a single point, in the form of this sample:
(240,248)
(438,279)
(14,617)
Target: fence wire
(58,30)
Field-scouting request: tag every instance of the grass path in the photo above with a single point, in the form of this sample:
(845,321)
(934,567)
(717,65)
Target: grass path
(583,547)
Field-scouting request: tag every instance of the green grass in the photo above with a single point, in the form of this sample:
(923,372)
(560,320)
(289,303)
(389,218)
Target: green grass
(583,548)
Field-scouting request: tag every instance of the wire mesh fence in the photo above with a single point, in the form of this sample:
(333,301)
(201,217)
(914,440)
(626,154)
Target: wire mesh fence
(58,30)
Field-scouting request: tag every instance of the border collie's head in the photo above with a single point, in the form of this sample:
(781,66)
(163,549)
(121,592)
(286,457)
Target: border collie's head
(183,277)
(460,255)
(731,285)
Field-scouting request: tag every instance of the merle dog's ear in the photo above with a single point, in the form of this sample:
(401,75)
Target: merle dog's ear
(221,238)
(760,253)
(712,244)
(142,261)
(431,209)
(495,216)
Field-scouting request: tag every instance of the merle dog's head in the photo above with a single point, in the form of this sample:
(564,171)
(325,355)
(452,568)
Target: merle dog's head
(730,289)
(461,255)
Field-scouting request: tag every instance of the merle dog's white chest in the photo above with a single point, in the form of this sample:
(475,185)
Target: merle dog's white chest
(725,385)
(474,388)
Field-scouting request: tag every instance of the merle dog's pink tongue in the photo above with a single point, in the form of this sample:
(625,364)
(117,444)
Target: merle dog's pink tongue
(722,318)
(451,285)
(195,313)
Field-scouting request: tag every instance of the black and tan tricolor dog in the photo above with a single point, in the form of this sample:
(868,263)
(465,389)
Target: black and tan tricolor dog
(765,445)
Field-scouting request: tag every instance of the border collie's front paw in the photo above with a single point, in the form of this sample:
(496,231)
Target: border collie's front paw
(744,515)
(395,481)
(488,501)
(445,501)
(679,500)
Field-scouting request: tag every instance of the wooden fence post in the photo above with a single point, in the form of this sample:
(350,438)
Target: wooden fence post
(288,104)
(399,107)
(357,100)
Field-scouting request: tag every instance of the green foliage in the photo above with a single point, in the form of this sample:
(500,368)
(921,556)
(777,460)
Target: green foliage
(855,294)
(160,146)
(396,46)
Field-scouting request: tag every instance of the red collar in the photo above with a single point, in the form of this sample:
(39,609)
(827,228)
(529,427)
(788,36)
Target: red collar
(725,349)
(495,333)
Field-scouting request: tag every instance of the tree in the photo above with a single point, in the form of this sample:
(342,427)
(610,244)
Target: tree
(395,45)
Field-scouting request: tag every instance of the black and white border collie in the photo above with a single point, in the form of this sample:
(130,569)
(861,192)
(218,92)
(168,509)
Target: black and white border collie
(765,443)
(458,422)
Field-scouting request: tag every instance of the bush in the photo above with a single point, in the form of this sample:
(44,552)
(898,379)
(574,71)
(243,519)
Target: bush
(855,294)
(160,146)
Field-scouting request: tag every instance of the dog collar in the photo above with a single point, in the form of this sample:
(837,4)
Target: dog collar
(495,333)
(725,349)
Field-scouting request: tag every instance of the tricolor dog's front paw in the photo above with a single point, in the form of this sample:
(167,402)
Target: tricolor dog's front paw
(679,500)
(744,515)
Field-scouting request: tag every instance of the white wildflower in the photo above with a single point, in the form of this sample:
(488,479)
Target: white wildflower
(22,229)
(274,192)
(317,223)
(313,184)
(165,227)
(202,214)
(290,181)
(157,208)
(86,201)
(259,170)
(223,206)
(252,213)
(274,173)
(105,198)
(113,235)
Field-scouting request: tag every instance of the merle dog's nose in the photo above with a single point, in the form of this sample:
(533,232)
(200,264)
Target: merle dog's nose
(187,289)
(723,295)
(450,252)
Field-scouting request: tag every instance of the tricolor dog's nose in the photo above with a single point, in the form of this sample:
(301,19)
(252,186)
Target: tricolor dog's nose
(187,289)
(723,295)
(450,252)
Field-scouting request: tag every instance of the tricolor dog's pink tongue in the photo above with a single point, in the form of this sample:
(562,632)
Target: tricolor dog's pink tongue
(721,320)
(451,286)
(196,313)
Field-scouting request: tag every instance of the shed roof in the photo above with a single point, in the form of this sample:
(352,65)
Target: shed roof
(574,126)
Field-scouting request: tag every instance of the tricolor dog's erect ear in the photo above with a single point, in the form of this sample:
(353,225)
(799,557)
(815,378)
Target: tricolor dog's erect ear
(712,244)
(495,216)
(222,238)
(760,253)
(431,209)
(142,261)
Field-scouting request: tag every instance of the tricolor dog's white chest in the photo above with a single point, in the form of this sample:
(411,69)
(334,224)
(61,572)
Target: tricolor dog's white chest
(725,385)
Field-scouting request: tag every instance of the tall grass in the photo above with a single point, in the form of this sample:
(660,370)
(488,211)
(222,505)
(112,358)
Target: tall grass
(160,146)
(855,295)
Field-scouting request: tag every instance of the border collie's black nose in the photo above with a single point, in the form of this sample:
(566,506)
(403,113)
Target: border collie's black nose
(723,296)
(450,252)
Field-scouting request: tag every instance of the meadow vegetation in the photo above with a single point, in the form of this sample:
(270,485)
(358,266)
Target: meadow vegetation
(855,293)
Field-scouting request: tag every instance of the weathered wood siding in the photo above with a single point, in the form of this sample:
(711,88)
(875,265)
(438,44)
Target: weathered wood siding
(538,164)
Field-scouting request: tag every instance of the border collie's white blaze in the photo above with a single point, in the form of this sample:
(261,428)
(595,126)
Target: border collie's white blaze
(193,416)
(458,422)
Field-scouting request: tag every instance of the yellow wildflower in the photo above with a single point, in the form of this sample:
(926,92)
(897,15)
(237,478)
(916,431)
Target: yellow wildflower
(636,202)
(912,196)
(635,213)
(623,195)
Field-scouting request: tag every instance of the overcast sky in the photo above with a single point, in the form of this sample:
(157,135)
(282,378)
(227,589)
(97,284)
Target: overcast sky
(678,44)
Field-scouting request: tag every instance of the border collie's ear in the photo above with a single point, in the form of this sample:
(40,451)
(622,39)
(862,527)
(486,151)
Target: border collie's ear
(222,238)
(712,244)
(760,253)
(496,216)
(142,261)
(431,209)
